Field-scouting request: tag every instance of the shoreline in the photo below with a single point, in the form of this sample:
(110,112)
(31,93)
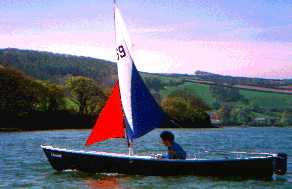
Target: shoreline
(3,130)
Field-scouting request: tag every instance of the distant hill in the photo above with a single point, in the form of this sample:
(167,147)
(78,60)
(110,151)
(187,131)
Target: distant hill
(56,67)
(245,83)
(207,77)
(243,80)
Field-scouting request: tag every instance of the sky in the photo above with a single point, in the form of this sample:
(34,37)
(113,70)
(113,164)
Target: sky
(251,38)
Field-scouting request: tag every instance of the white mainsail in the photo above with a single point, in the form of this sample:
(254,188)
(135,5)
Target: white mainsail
(141,112)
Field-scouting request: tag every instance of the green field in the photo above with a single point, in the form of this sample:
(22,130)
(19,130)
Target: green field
(201,90)
(267,100)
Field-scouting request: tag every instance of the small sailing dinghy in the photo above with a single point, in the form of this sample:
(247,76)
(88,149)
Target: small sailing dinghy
(132,112)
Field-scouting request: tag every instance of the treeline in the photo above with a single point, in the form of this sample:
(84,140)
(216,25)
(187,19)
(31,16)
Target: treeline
(234,109)
(269,83)
(58,67)
(30,104)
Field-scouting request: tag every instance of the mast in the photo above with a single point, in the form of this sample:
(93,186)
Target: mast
(130,142)
(130,147)
(131,107)
(141,112)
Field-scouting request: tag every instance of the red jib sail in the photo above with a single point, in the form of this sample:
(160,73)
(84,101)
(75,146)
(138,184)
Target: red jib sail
(110,123)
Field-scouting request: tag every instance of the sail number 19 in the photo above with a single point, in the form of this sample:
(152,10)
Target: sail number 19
(121,53)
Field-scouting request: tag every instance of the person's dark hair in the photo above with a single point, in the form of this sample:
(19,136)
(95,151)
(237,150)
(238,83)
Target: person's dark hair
(167,135)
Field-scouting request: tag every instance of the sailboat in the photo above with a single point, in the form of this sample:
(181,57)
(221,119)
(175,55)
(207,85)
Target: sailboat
(131,112)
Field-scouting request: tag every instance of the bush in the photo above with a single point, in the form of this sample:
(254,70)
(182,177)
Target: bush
(186,110)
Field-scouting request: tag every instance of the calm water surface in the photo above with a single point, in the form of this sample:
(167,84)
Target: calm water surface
(24,165)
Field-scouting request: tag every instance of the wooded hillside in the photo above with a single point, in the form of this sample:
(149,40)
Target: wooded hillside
(48,84)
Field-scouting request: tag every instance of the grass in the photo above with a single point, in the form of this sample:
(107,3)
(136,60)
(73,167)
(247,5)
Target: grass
(201,90)
(266,100)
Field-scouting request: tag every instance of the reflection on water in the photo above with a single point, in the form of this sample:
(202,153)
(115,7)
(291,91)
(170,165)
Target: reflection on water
(105,182)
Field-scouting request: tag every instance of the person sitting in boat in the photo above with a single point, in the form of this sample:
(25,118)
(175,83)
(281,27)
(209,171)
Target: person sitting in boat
(175,151)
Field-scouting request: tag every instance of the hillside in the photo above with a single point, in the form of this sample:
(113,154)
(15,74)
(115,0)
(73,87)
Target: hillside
(238,100)
(251,81)
(57,67)
(67,100)
(262,99)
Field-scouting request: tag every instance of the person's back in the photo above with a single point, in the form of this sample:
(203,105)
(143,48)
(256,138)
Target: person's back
(175,151)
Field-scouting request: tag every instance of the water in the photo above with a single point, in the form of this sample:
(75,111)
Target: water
(24,165)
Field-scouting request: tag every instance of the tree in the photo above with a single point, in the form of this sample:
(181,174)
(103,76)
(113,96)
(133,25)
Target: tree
(57,67)
(52,97)
(241,115)
(154,83)
(183,111)
(191,98)
(225,94)
(216,105)
(156,96)
(285,119)
(224,113)
(86,94)
(19,94)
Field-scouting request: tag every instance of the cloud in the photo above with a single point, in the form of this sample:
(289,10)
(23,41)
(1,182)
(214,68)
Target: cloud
(253,59)
(241,58)
(161,29)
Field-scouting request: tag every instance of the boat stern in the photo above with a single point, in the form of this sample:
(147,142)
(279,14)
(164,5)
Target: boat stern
(280,164)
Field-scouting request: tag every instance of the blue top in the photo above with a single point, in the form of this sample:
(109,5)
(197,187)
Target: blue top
(179,152)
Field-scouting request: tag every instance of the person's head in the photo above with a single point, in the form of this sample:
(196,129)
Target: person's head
(167,138)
